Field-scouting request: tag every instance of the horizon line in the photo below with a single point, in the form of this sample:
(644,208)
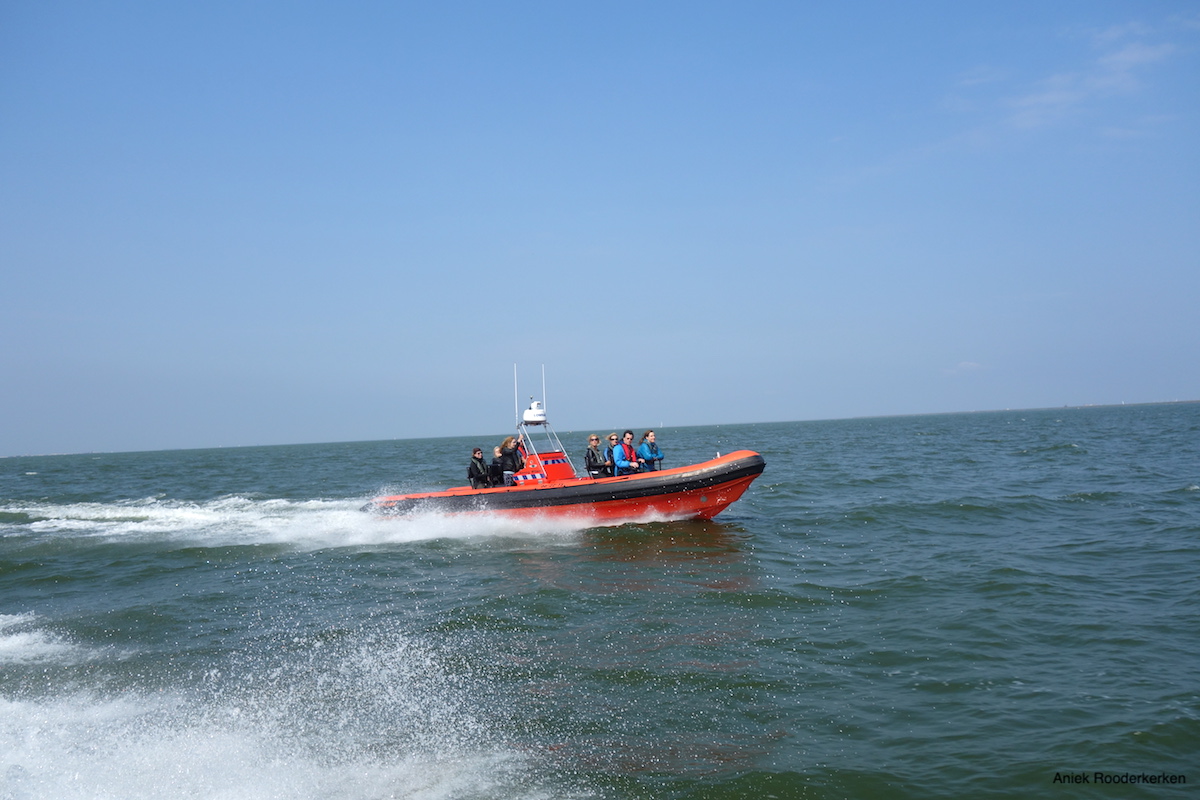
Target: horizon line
(701,425)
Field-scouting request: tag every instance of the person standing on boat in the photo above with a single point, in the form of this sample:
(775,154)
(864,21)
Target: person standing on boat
(625,458)
(594,458)
(477,470)
(510,458)
(648,453)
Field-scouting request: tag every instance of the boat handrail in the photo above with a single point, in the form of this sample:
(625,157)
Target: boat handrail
(544,430)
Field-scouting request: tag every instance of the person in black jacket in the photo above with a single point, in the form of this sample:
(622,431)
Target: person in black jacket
(511,457)
(477,470)
(594,459)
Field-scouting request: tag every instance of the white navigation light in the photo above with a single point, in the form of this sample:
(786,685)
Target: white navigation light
(535,414)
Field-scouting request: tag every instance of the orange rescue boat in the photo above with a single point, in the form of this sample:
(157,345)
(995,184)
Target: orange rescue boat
(548,486)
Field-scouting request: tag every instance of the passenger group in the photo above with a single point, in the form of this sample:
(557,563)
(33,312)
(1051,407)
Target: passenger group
(508,457)
(617,458)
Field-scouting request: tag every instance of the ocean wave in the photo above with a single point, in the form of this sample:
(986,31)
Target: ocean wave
(371,714)
(144,746)
(22,642)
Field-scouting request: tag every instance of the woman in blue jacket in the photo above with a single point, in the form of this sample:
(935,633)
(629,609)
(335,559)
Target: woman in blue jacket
(648,452)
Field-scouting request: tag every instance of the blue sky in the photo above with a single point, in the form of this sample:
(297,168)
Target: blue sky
(249,223)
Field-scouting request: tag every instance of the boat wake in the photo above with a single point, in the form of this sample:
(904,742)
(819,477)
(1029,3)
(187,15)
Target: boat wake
(241,521)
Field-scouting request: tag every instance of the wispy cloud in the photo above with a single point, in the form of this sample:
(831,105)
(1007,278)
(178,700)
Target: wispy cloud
(1187,21)
(1117,70)
(1116,33)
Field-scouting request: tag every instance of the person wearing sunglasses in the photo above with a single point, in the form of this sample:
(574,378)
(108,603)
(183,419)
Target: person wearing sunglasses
(625,460)
(477,470)
(594,458)
(608,454)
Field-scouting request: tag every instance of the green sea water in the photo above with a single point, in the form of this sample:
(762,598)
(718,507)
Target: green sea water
(948,606)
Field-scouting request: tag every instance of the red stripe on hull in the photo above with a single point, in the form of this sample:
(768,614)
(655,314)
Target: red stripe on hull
(694,504)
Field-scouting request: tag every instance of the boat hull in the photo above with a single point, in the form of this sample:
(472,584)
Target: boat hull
(699,491)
